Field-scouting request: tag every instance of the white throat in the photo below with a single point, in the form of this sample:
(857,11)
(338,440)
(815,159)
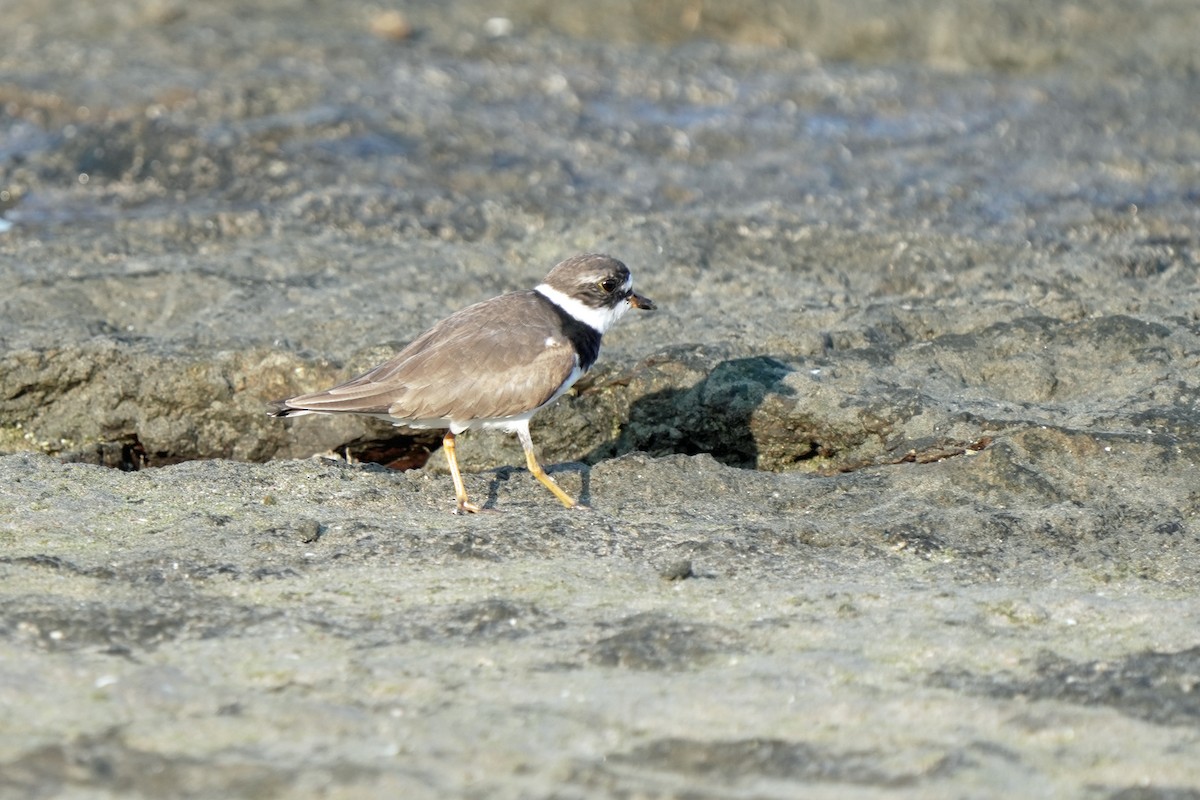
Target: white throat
(598,319)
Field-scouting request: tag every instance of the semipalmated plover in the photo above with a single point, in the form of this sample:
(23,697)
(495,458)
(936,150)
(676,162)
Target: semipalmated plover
(492,365)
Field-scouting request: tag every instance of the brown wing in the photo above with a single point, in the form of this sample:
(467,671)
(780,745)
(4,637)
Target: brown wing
(493,359)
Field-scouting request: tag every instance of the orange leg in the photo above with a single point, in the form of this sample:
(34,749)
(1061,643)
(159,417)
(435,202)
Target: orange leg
(460,491)
(539,473)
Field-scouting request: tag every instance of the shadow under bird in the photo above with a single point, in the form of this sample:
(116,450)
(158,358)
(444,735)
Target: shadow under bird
(492,365)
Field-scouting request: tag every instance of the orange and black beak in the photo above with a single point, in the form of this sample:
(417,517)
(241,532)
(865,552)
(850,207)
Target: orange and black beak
(644,303)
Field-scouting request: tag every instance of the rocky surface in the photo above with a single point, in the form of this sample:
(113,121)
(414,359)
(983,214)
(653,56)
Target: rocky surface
(894,495)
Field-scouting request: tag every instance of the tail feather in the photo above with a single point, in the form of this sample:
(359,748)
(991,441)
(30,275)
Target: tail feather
(280,408)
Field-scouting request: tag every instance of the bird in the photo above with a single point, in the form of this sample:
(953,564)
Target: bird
(492,365)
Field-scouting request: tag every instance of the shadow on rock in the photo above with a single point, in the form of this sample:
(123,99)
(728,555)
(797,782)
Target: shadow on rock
(733,413)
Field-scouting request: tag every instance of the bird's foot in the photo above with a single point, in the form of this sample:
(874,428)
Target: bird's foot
(464,507)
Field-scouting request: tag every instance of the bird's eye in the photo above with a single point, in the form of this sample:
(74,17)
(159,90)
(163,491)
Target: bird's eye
(609,285)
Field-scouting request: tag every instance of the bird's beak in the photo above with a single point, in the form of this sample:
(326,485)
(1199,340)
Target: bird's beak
(644,303)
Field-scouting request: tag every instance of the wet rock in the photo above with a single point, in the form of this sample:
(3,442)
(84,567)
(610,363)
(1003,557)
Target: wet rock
(1160,687)
(918,409)
(651,643)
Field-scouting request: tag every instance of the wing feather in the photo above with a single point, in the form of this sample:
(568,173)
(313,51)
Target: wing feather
(475,364)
